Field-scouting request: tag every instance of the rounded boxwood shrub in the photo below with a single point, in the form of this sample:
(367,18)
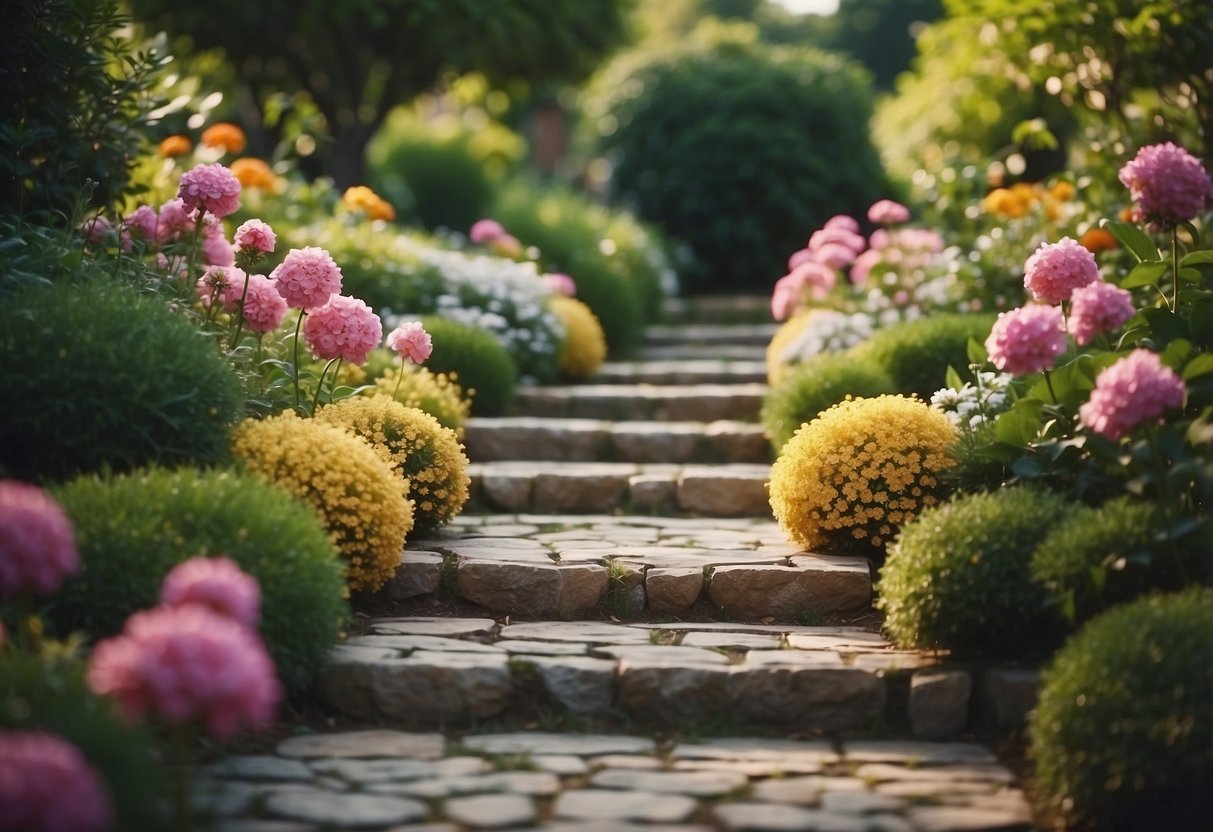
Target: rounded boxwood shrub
(584,348)
(476,360)
(736,147)
(1122,734)
(916,354)
(360,498)
(98,375)
(52,697)
(1099,557)
(847,480)
(132,529)
(428,457)
(957,578)
(815,386)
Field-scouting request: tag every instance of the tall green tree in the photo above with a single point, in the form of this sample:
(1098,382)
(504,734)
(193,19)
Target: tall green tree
(357,59)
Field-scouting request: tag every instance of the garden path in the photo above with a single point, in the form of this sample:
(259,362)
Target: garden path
(627,641)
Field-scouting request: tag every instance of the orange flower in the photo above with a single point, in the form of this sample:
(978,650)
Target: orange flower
(1062,191)
(1096,240)
(361,198)
(176,145)
(254,173)
(226,135)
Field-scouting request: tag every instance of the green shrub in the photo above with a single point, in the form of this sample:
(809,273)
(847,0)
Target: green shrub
(99,376)
(52,696)
(1099,557)
(1122,734)
(738,148)
(474,359)
(814,386)
(619,266)
(133,529)
(957,577)
(916,354)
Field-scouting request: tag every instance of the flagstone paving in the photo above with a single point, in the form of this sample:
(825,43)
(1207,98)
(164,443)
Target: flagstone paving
(638,646)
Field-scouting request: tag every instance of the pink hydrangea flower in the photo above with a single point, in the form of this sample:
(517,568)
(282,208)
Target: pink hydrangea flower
(345,328)
(307,277)
(175,220)
(834,255)
(1097,308)
(798,257)
(188,663)
(264,308)
(507,245)
(1026,340)
(888,212)
(216,250)
(785,298)
(37,544)
(485,231)
(840,236)
(861,269)
(218,584)
(222,283)
(561,284)
(97,230)
(1168,183)
(411,341)
(255,235)
(842,221)
(1055,270)
(1136,390)
(46,785)
(818,278)
(143,223)
(211,188)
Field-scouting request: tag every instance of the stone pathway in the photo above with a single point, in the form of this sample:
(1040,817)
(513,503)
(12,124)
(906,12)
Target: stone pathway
(651,652)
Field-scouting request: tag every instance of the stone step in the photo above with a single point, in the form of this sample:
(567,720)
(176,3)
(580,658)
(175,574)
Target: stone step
(686,371)
(717,309)
(585,440)
(672,403)
(708,335)
(697,352)
(726,490)
(388,779)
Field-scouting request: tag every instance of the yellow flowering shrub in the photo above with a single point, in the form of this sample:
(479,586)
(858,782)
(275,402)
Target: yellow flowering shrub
(437,394)
(584,348)
(852,476)
(359,496)
(788,332)
(427,456)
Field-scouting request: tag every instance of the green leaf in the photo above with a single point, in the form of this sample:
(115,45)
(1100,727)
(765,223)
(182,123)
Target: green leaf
(1165,324)
(1028,467)
(952,378)
(1134,239)
(1198,366)
(1021,424)
(1144,274)
(977,352)
(1203,257)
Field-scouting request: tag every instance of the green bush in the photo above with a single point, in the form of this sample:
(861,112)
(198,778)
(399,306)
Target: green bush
(814,386)
(916,354)
(133,529)
(957,578)
(99,376)
(620,267)
(52,696)
(1099,557)
(737,148)
(476,361)
(1122,734)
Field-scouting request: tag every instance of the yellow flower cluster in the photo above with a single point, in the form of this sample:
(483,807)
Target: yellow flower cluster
(584,348)
(435,393)
(361,198)
(427,456)
(1023,198)
(860,470)
(788,332)
(359,497)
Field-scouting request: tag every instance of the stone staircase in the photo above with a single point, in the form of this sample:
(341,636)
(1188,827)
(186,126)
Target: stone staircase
(628,641)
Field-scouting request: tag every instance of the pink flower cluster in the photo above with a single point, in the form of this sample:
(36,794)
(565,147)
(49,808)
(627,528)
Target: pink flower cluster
(222,283)
(485,231)
(143,223)
(1134,391)
(561,284)
(175,220)
(809,278)
(216,250)
(410,341)
(37,544)
(46,785)
(1169,184)
(188,663)
(217,584)
(255,235)
(1055,270)
(888,212)
(211,188)
(344,328)
(307,277)
(1098,308)
(1026,340)
(264,308)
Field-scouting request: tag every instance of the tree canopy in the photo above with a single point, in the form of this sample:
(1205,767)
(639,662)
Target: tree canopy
(358,58)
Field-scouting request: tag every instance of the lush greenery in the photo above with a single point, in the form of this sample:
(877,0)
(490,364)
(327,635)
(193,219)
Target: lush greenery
(477,361)
(816,385)
(917,354)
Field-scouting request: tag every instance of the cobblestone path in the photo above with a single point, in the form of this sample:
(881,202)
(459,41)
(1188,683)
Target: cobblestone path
(648,652)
